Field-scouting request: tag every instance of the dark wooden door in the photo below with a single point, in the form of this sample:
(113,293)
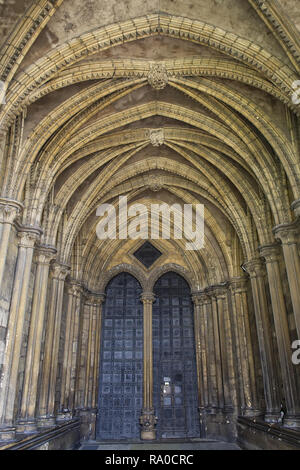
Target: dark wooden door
(121,363)
(174,361)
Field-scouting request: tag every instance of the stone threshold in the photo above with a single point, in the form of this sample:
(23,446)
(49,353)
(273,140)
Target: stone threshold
(274,432)
(38,439)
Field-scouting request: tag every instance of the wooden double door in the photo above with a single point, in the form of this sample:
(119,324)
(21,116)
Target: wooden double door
(121,379)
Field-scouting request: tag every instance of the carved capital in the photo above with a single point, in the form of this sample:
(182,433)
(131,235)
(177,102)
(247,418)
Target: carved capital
(255,268)
(28,238)
(75,289)
(59,271)
(270,253)
(238,284)
(158,77)
(93,299)
(147,297)
(218,291)
(288,234)
(200,298)
(9,213)
(45,254)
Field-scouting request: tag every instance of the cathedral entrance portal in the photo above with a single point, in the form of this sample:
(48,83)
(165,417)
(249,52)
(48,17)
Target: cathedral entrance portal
(171,384)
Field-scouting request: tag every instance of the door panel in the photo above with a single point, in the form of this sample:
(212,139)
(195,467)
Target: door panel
(174,360)
(121,364)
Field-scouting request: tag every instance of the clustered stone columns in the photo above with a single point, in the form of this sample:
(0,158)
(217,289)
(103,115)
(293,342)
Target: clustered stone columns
(148,418)
(9,211)
(27,421)
(244,350)
(256,270)
(201,302)
(46,409)
(69,367)
(271,254)
(8,386)
(86,398)
(289,236)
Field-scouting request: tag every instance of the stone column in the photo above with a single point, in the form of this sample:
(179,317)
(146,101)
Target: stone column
(46,418)
(200,300)
(217,350)
(245,356)
(213,403)
(96,358)
(15,329)
(148,419)
(289,237)
(27,420)
(256,271)
(224,324)
(70,352)
(9,211)
(90,377)
(271,254)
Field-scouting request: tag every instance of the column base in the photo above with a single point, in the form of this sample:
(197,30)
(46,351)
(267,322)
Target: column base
(64,416)
(27,426)
(7,433)
(148,421)
(46,421)
(88,419)
(291,422)
(272,417)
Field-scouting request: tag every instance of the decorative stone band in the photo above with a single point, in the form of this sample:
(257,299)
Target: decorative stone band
(9,210)
(288,234)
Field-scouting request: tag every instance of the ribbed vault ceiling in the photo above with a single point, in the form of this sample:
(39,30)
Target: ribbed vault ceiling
(85,94)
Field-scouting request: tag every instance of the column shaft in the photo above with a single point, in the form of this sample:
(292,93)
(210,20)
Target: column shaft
(147,419)
(15,333)
(289,237)
(52,335)
(27,421)
(245,361)
(271,256)
(266,347)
